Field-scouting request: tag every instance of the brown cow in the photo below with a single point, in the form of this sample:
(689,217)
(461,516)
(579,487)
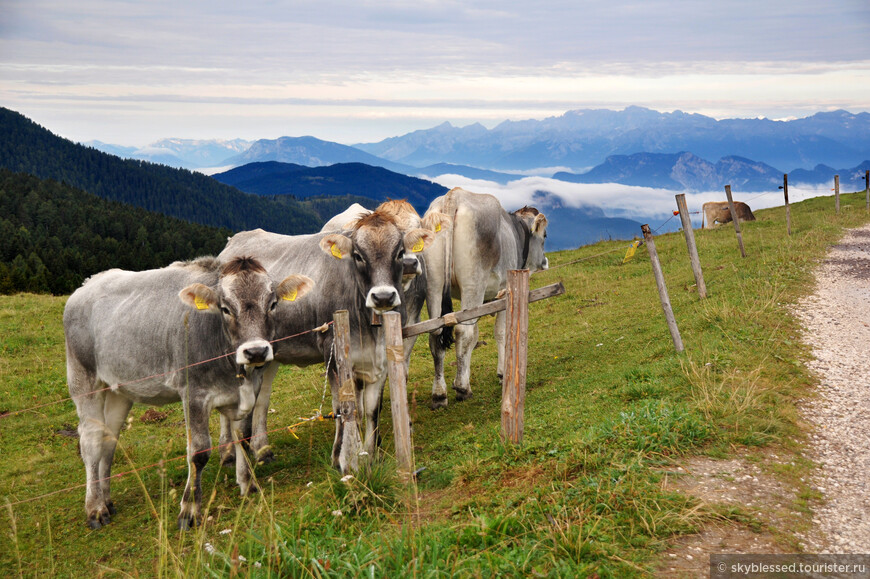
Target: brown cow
(718,212)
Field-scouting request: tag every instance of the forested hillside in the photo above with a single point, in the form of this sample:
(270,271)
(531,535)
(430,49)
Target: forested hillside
(375,183)
(28,148)
(53,236)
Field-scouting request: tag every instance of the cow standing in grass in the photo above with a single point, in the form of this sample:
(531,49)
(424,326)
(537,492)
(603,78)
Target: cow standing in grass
(414,294)
(714,212)
(472,265)
(128,334)
(359,270)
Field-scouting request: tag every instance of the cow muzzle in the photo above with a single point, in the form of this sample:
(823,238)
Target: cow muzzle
(411,266)
(383,298)
(254,353)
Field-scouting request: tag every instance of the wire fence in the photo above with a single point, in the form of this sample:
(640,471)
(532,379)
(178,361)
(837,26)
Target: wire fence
(321,328)
(317,416)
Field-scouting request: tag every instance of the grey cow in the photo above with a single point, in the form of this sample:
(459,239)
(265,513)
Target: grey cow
(359,270)
(127,335)
(414,294)
(472,265)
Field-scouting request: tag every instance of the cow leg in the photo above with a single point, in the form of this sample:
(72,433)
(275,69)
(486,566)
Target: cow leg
(373,395)
(92,430)
(499,332)
(408,345)
(116,409)
(244,455)
(198,451)
(439,384)
(226,448)
(435,296)
(332,374)
(472,294)
(466,339)
(259,437)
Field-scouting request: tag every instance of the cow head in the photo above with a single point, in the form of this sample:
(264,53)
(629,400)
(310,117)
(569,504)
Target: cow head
(246,299)
(536,225)
(377,247)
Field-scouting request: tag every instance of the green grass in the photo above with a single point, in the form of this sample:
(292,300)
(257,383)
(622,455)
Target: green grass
(609,408)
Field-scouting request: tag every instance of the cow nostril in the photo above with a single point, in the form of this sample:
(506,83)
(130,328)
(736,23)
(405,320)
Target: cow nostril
(256,354)
(384,298)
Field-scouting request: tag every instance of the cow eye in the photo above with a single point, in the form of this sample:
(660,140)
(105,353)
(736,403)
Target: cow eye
(358,258)
(226,311)
(273,306)
(401,255)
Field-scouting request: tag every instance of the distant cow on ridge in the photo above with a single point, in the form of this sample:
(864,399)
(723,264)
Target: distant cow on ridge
(718,212)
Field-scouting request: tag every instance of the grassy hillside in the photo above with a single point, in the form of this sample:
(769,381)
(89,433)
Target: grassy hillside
(610,410)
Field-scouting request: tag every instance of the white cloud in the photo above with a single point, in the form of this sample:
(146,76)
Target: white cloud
(365,70)
(618,200)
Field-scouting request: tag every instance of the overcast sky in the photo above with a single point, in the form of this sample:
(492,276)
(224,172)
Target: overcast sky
(130,72)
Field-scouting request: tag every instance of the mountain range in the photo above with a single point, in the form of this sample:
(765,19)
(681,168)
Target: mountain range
(581,139)
(679,172)
(575,142)
(179,153)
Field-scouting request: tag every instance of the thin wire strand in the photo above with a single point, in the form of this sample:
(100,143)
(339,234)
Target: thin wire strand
(183,368)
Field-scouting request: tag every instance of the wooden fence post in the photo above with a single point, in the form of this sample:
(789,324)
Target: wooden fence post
(690,244)
(513,393)
(735,220)
(663,290)
(787,206)
(348,458)
(867,187)
(837,192)
(392,322)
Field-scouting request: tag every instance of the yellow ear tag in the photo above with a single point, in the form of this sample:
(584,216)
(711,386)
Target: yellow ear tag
(336,252)
(291,297)
(437,227)
(200,303)
(418,247)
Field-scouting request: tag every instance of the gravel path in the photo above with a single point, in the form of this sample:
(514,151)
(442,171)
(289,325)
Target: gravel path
(836,319)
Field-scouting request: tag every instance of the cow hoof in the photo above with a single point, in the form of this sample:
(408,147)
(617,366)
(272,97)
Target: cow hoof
(462,394)
(99,519)
(187,522)
(94,522)
(265,457)
(438,401)
(110,506)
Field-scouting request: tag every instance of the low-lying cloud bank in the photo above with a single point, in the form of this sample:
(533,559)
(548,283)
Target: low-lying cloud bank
(643,204)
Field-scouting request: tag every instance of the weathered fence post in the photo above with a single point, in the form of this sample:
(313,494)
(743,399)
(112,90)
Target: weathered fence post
(348,458)
(735,220)
(787,206)
(513,392)
(690,244)
(663,290)
(399,394)
(837,192)
(867,187)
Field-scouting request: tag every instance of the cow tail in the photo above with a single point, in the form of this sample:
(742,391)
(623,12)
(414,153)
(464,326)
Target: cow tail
(445,338)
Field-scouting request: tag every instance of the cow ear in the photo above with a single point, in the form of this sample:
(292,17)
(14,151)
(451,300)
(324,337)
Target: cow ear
(294,287)
(336,245)
(436,221)
(540,225)
(200,297)
(416,240)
